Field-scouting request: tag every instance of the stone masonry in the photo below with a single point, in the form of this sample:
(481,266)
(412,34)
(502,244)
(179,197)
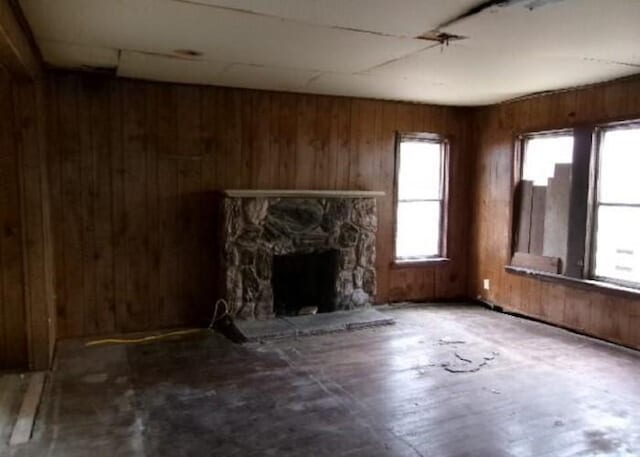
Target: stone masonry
(257,228)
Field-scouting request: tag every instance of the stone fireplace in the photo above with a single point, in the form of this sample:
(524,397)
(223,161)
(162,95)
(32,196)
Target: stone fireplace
(315,247)
(316,276)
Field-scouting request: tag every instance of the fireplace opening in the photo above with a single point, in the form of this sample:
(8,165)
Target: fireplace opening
(303,281)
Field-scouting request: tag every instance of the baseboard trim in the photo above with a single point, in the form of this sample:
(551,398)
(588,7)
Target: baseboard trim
(515,313)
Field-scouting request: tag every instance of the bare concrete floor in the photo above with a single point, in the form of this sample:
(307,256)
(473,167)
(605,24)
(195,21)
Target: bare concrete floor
(443,381)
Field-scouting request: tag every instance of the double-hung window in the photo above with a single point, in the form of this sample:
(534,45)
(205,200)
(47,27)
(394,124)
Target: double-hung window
(543,206)
(577,203)
(543,153)
(616,237)
(421,175)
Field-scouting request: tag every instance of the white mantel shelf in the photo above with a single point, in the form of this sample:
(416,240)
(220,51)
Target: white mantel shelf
(253,193)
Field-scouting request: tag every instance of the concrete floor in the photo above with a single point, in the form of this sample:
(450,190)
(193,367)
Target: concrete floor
(444,381)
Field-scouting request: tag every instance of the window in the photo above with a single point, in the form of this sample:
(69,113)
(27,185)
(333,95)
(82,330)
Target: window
(577,204)
(542,153)
(421,161)
(543,201)
(617,206)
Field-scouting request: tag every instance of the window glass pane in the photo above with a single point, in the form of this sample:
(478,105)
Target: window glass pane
(541,154)
(420,170)
(619,166)
(418,231)
(618,243)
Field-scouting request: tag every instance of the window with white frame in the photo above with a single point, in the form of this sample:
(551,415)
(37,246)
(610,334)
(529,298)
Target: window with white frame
(420,197)
(616,237)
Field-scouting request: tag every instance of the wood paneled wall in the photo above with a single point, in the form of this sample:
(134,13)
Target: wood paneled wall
(601,314)
(27,325)
(133,170)
(13,336)
(134,167)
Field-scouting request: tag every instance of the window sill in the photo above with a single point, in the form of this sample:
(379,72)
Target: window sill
(427,262)
(585,284)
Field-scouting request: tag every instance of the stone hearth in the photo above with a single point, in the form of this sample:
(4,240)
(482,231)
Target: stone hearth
(261,224)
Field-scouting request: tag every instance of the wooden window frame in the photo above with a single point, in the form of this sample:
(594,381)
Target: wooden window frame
(583,205)
(444,143)
(518,171)
(594,203)
(580,193)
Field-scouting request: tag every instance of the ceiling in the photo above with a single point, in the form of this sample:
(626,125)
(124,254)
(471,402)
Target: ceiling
(364,48)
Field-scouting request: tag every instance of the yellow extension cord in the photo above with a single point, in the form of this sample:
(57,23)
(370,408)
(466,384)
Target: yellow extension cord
(146,339)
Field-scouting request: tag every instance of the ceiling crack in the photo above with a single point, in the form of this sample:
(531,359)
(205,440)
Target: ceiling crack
(611,62)
(312,79)
(491,4)
(294,21)
(396,59)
